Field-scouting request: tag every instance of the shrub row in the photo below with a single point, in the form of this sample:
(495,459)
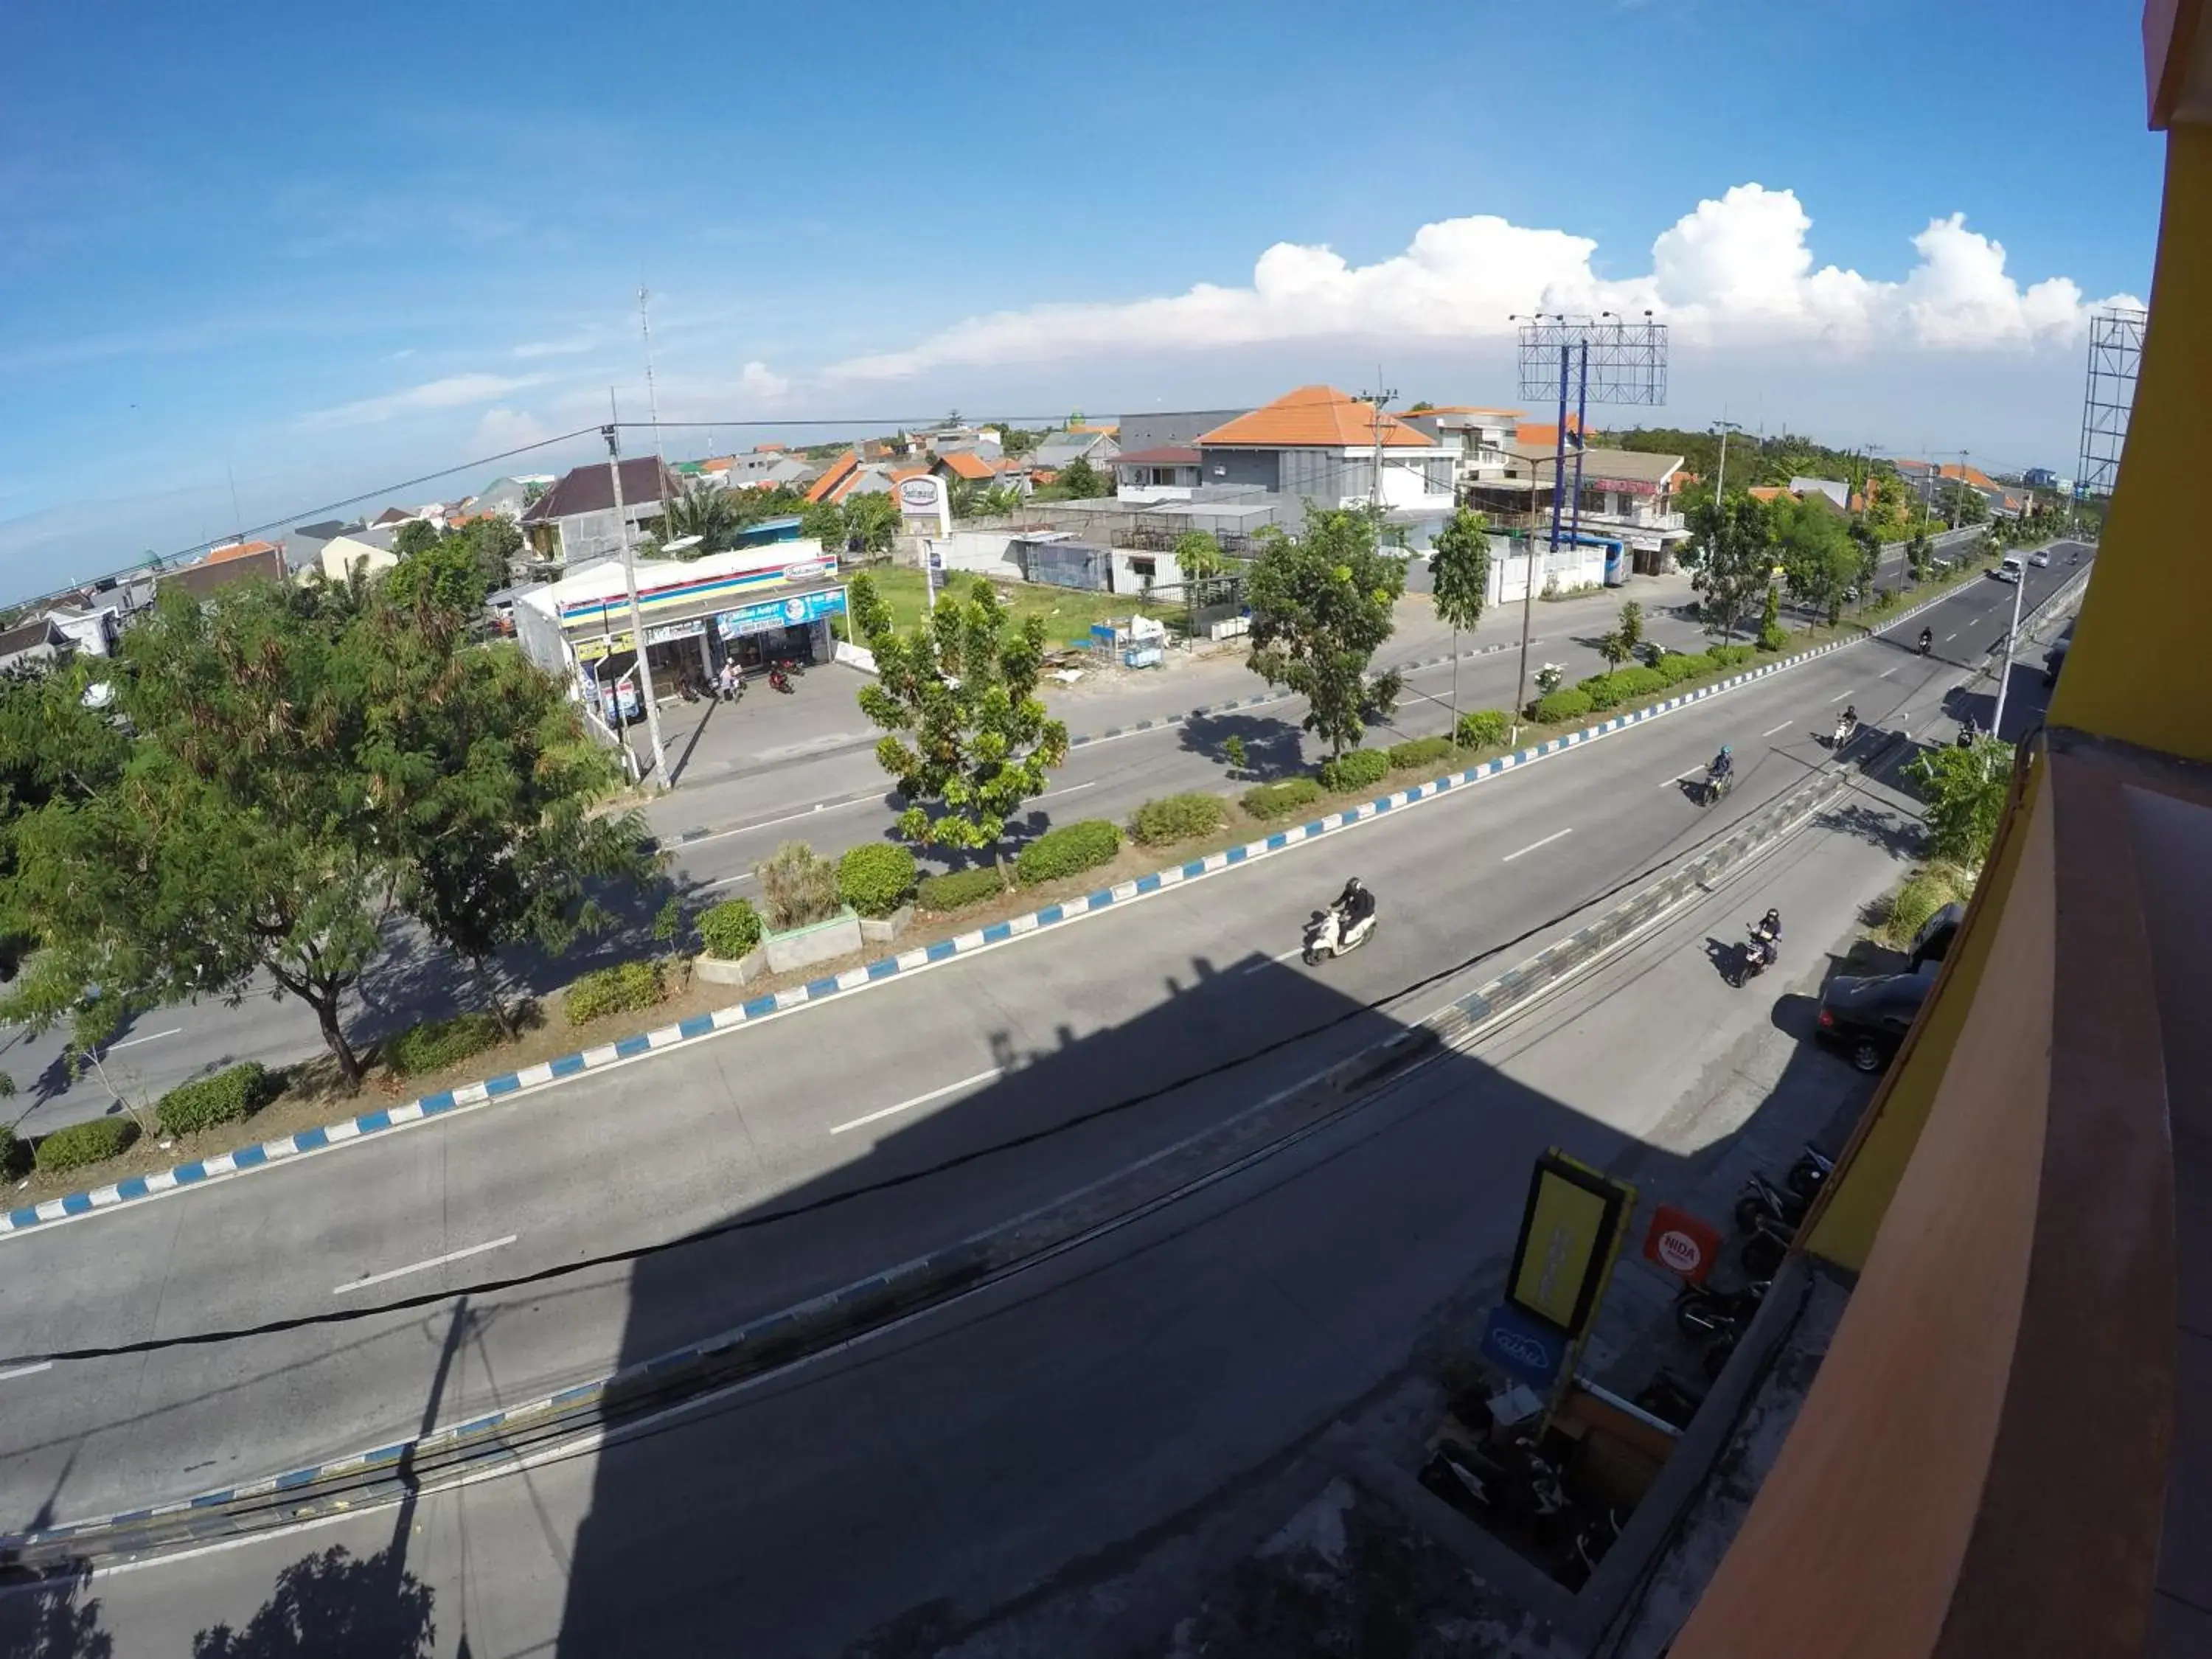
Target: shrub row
(1417,752)
(80,1144)
(961,887)
(621,989)
(433,1043)
(1067,851)
(1611,691)
(730,929)
(1484,728)
(225,1097)
(1356,769)
(1177,818)
(876,877)
(1277,800)
(1568,702)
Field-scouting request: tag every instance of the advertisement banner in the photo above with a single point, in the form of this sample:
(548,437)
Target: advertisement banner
(1527,1349)
(922,503)
(767,616)
(1681,1243)
(1570,1232)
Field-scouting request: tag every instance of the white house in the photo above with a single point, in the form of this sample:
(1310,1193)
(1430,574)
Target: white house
(1319,445)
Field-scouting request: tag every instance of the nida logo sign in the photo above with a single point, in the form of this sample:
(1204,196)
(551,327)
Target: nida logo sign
(1681,1243)
(1680,1252)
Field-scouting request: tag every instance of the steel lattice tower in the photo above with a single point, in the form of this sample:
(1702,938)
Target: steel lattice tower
(2116,340)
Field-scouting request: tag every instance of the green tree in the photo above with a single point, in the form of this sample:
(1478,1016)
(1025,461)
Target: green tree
(965,498)
(1079,481)
(1771,636)
(415,536)
(1459,565)
(447,575)
(710,512)
(966,737)
(224,840)
(1819,560)
(1734,557)
(1631,628)
(871,520)
(1321,605)
(1965,790)
(1198,555)
(824,522)
(484,788)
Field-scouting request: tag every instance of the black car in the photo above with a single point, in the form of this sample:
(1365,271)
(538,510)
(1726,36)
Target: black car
(1867,1017)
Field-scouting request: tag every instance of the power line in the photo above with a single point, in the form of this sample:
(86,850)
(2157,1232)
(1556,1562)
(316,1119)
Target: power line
(737,1225)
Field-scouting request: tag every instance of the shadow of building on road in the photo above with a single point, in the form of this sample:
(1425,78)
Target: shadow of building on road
(908,1486)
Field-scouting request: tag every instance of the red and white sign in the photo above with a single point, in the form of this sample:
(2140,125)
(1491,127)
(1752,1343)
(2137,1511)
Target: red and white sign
(1681,1243)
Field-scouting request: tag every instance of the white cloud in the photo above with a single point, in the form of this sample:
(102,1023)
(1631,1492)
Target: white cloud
(575,346)
(1737,271)
(454,392)
(502,428)
(760,381)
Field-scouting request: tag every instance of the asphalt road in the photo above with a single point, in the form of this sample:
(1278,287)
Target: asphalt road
(822,784)
(1047,1432)
(819,1104)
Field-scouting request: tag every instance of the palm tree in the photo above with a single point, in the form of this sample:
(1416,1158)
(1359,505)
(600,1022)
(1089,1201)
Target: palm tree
(706,511)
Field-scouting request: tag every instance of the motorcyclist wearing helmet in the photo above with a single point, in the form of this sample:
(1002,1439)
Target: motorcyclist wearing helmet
(1355,903)
(1723,763)
(1770,925)
(1767,932)
(1927,639)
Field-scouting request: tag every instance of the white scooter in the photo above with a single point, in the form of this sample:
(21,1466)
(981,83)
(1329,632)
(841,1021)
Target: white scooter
(1328,936)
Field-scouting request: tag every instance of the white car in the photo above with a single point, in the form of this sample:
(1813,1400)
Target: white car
(2009,570)
(2040,560)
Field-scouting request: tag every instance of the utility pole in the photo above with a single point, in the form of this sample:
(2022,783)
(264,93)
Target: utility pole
(2004,672)
(1380,398)
(1720,472)
(1529,587)
(611,431)
(1582,415)
(652,397)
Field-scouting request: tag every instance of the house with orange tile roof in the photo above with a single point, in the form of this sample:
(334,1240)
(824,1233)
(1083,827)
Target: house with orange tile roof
(835,477)
(1319,444)
(964,466)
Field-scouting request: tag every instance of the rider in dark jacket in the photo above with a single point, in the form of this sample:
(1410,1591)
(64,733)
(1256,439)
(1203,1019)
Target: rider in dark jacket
(1356,903)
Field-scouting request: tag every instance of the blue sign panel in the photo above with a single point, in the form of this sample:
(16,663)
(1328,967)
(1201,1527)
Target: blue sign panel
(1524,1347)
(768,615)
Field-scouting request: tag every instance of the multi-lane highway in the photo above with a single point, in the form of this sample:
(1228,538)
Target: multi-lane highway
(1045,1433)
(836,799)
(826,1101)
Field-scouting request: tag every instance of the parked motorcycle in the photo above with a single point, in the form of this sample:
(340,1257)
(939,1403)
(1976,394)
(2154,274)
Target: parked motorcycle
(778,680)
(1702,1310)
(1670,1399)
(1810,1171)
(1761,1200)
(1522,1483)
(1328,936)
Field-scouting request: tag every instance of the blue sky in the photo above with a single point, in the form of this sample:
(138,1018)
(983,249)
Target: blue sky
(319,250)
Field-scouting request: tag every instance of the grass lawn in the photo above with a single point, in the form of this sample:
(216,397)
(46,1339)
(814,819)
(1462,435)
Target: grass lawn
(1067,612)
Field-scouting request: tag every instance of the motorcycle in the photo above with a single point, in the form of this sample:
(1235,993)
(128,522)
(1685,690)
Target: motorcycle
(778,680)
(1812,1170)
(1471,1481)
(1670,1399)
(1702,1311)
(1926,644)
(1761,1200)
(1716,788)
(1759,955)
(1328,936)
(1847,727)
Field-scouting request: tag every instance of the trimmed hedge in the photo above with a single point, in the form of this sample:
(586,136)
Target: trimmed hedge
(1356,769)
(1571,702)
(1420,751)
(1772,638)
(225,1097)
(1732,656)
(1674,667)
(434,1043)
(1177,818)
(621,989)
(876,877)
(80,1144)
(1067,851)
(1484,728)
(1600,690)
(732,929)
(962,887)
(1276,800)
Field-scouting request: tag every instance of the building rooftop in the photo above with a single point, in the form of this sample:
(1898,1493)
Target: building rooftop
(589,490)
(1162,455)
(1317,417)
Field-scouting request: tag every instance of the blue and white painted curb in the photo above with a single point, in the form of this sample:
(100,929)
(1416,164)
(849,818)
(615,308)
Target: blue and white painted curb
(240,1161)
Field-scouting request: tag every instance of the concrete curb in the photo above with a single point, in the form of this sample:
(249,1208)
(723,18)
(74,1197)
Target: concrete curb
(789,1335)
(240,1160)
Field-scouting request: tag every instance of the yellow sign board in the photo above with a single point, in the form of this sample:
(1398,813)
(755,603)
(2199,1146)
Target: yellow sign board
(1569,1234)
